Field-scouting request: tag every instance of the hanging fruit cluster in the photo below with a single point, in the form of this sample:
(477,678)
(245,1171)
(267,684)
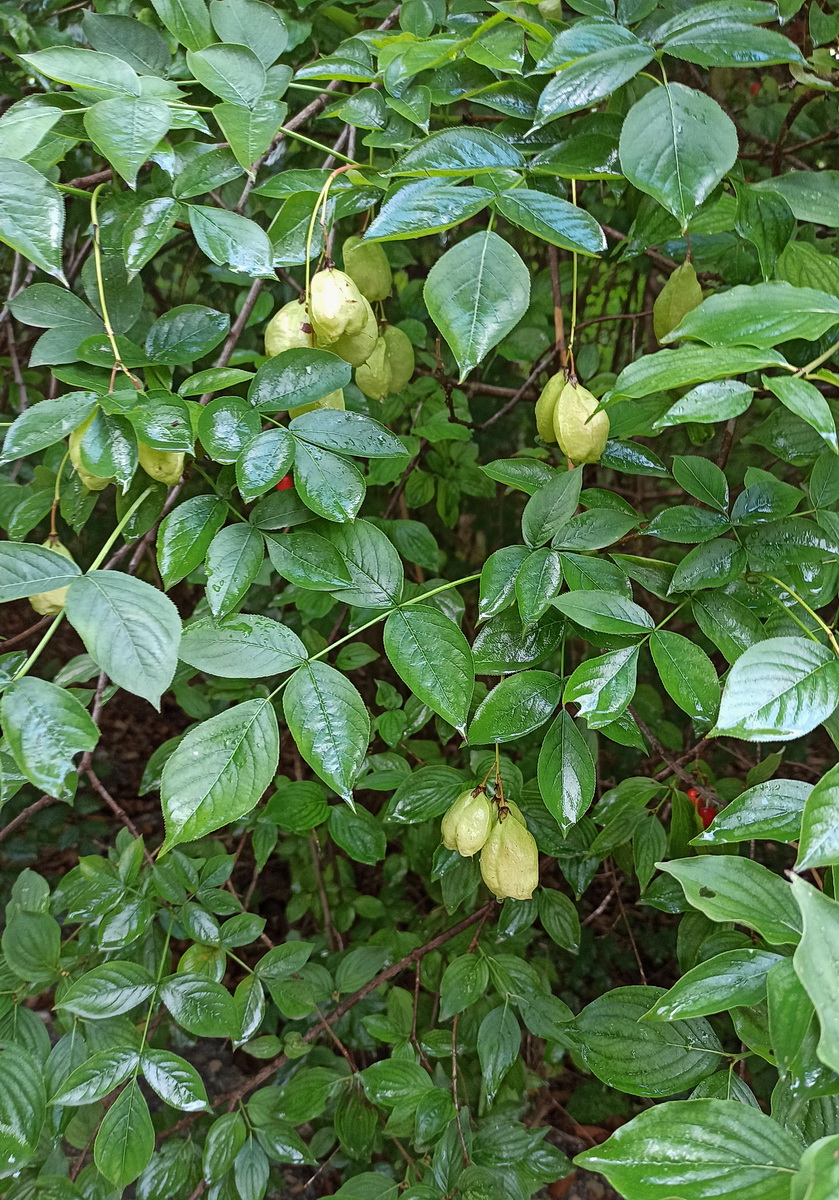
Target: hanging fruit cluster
(496,828)
(567,413)
(337,315)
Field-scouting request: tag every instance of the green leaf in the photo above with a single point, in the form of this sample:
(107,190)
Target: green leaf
(604,686)
(185,333)
(686,523)
(670,369)
(90,70)
(219,770)
(515,707)
(779,689)
(185,535)
(499,1040)
(231,240)
(360,835)
(250,131)
(431,655)
(330,724)
(46,423)
(375,568)
(200,1005)
(638,1057)
(31,215)
(226,425)
(130,629)
(461,151)
(253,24)
(464,981)
(95,1078)
(126,130)
(605,612)
(26,570)
(687,673)
(308,560)
(730,43)
(553,220)
(188,20)
(23,1107)
(327,484)
(108,991)
(24,126)
(560,919)
(537,581)
(810,194)
(347,433)
(175,1080)
(241,647)
(709,403)
(46,727)
(224,1141)
(142,47)
(427,206)
(232,72)
(394,1081)
(711,565)
(233,560)
(297,377)
(551,506)
(769,810)
(676,145)
(702,479)
(147,230)
(594,61)
(728,888)
(745,1154)
(760,315)
(736,978)
(816,960)
(476,293)
(819,841)
(566,772)
(807,402)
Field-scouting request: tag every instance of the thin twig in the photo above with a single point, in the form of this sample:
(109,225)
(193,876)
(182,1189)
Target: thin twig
(27,633)
(44,802)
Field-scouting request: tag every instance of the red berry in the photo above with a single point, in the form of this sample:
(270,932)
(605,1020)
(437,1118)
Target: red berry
(285,483)
(693,795)
(755,88)
(706,816)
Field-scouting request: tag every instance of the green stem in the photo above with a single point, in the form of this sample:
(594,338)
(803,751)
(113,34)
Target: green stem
(817,362)
(100,558)
(826,628)
(446,587)
(670,616)
(301,137)
(207,478)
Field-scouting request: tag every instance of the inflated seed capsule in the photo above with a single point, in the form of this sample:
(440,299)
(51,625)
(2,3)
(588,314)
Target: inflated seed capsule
(374,376)
(288,329)
(367,265)
(680,294)
(356,348)
(93,483)
(400,357)
(510,859)
(336,306)
(166,466)
(465,826)
(546,404)
(50,604)
(581,431)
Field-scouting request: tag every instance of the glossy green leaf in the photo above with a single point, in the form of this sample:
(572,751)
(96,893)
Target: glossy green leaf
(819,841)
(516,706)
(427,206)
(687,673)
(816,961)
(431,655)
(761,315)
(46,727)
(476,293)
(728,888)
(552,219)
(329,722)
(27,569)
(241,647)
(733,979)
(769,810)
(219,771)
(566,772)
(126,130)
(233,560)
(297,377)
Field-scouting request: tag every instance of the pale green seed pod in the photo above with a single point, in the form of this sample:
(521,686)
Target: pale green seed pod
(551,10)
(93,483)
(333,400)
(50,604)
(166,466)
(373,378)
(288,329)
(582,436)
(679,296)
(356,348)
(510,859)
(546,405)
(336,306)
(465,826)
(367,265)
(400,357)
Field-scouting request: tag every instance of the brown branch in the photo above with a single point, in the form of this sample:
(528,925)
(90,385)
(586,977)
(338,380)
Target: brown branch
(792,114)
(661,259)
(27,633)
(675,766)
(117,808)
(44,802)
